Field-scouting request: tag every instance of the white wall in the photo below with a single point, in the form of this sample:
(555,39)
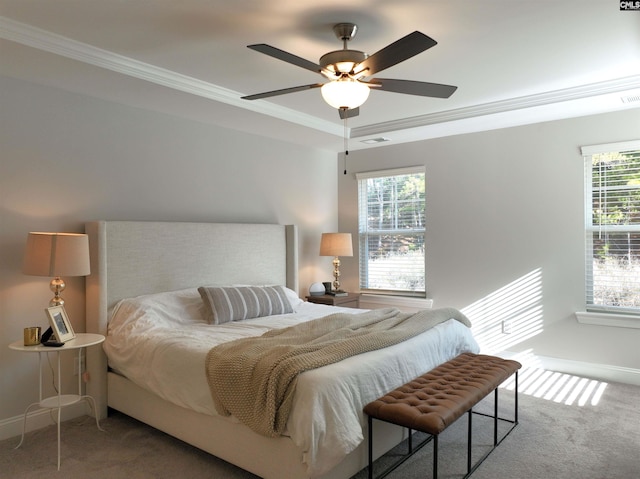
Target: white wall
(505,232)
(66,159)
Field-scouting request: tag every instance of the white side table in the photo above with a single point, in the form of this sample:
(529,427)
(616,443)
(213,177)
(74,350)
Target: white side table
(81,341)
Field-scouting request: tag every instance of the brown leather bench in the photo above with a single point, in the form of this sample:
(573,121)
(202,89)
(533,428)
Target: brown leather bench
(435,400)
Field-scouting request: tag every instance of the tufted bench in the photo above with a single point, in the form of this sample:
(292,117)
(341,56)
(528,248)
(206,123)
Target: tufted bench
(435,400)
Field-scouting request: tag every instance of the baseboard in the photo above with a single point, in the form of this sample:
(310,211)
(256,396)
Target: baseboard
(40,418)
(602,372)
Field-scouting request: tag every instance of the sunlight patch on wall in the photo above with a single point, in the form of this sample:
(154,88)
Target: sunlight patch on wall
(509,315)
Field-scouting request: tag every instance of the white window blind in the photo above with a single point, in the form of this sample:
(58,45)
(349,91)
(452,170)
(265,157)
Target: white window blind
(612,227)
(391,218)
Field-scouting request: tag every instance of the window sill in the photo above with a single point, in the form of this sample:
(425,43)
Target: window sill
(608,319)
(396,301)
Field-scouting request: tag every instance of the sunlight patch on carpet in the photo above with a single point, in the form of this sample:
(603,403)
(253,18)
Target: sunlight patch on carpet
(557,387)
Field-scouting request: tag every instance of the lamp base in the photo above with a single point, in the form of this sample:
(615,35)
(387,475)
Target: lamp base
(57,285)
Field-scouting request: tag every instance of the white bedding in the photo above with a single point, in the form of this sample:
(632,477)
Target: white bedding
(160,342)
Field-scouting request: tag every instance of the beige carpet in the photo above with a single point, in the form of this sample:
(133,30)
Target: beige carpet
(553,440)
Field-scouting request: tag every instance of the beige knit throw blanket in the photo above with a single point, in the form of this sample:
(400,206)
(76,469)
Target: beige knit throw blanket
(254,379)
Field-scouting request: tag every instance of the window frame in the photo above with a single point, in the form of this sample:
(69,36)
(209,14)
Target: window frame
(602,313)
(364,235)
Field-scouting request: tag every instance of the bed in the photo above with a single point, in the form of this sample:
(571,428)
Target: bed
(133,262)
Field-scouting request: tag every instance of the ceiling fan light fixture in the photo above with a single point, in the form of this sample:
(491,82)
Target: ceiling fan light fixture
(341,61)
(345,93)
(345,67)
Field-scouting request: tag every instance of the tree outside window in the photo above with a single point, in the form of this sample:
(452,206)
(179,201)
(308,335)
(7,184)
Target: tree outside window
(613,230)
(392,231)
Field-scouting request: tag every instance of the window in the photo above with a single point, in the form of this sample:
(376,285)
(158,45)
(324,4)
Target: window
(391,231)
(612,226)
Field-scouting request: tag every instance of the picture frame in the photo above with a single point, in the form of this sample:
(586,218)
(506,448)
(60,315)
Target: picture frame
(60,323)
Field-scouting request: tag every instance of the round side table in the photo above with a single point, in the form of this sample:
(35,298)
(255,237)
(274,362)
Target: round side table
(80,342)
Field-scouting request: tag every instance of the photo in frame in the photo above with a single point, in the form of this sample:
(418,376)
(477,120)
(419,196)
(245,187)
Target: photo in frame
(60,324)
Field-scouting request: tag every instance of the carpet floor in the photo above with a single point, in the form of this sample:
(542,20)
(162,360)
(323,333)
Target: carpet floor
(557,438)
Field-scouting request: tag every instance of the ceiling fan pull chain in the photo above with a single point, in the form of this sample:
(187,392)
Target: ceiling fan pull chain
(346,153)
(346,140)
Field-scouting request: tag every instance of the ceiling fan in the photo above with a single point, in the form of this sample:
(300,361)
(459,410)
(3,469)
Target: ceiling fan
(349,71)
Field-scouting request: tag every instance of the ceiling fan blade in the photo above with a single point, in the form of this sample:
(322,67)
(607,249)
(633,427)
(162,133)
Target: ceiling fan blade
(396,52)
(350,113)
(284,91)
(410,87)
(285,57)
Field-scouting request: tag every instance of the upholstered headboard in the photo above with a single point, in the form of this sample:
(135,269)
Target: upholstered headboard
(130,258)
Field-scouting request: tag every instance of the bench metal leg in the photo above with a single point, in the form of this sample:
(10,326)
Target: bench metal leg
(470,468)
(469,437)
(410,441)
(412,450)
(435,457)
(495,418)
(370,421)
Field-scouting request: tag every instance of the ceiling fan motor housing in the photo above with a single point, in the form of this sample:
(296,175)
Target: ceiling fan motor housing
(342,61)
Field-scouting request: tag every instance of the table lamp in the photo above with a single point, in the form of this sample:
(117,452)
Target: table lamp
(336,245)
(56,255)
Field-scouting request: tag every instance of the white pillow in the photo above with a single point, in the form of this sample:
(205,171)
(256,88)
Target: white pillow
(293,297)
(171,307)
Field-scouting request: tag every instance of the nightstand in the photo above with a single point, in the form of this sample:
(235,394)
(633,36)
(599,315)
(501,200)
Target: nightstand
(351,300)
(81,341)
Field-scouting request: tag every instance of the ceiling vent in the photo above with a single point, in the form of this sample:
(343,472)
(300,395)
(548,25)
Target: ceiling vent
(372,141)
(630,98)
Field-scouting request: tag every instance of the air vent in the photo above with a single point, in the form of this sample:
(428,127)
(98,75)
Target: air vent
(371,141)
(630,98)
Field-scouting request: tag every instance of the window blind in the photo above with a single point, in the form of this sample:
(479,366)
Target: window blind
(391,218)
(613,227)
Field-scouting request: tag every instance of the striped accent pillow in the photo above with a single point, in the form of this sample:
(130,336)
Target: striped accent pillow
(234,303)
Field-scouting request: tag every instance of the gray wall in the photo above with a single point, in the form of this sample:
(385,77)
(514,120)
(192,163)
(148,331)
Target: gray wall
(505,236)
(67,159)
(504,212)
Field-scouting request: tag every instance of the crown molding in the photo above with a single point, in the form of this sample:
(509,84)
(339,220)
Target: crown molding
(520,103)
(57,44)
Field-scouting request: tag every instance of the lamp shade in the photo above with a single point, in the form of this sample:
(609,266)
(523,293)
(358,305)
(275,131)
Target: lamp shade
(336,244)
(345,93)
(57,254)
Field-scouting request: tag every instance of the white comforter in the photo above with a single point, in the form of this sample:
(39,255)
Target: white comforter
(160,342)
